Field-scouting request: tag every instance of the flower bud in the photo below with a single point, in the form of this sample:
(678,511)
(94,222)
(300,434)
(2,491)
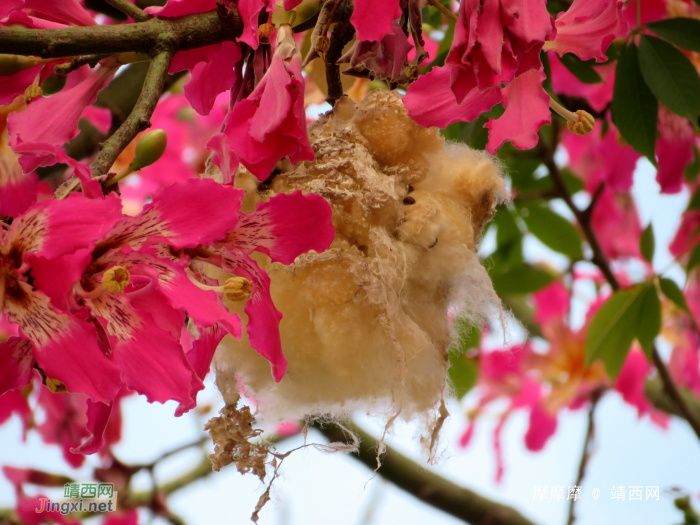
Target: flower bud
(116,279)
(11,64)
(55,385)
(237,289)
(149,149)
(53,84)
(264,32)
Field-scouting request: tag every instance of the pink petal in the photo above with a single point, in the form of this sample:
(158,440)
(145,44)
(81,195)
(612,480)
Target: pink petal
(200,356)
(630,382)
(290,4)
(271,122)
(527,108)
(101,118)
(27,507)
(685,361)
(543,425)
(18,361)
(263,317)
(674,149)
(17,191)
(50,122)
(528,20)
(69,267)
(285,227)
(616,222)
(7,6)
(65,347)
(13,402)
(53,228)
(169,217)
(13,85)
(64,422)
(212,77)
(431,102)
(223,157)
(152,362)
(130,517)
(176,8)
(372,20)
(686,236)
(66,11)
(249,11)
(97,419)
(551,303)
(588,27)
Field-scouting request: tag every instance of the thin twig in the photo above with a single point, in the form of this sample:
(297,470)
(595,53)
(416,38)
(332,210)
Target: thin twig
(588,445)
(670,388)
(436,4)
(78,62)
(342,34)
(139,119)
(129,9)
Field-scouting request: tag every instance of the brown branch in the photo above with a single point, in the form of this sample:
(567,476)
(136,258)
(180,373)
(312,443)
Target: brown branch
(342,34)
(428,487)
(129,9)
(654,390)
(588,444)
(139,119)
(599,259)
(449,14)
(187,32)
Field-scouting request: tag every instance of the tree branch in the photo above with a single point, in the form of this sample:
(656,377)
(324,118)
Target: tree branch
(187,32)
(129,9)
(428,487)
(654,390)
(587,451)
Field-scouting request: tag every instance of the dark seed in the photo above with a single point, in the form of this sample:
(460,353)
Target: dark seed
(409,200)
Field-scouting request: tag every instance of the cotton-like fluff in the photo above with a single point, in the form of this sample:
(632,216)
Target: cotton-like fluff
(367,324)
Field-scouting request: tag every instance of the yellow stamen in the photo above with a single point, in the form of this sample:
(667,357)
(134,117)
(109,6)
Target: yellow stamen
(264,32)
(55,385)
(238,289)
(31,93)
(116,279)
(580,122)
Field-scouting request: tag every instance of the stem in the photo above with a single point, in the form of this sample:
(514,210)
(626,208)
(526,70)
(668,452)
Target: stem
(670,388)
(342,34)
(587,451)
(427,486)
(561,110)
(449,14)
(129,9)
(139,119)
(183,33)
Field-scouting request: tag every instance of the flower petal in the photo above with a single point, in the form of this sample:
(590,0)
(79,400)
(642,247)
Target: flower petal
(65,346)
(53,228)
(97,419)
(17,363)
(285,227)
(527,108)
(170,216)
(223,157)
(372,20)
(68,11)
(55,278)
(176,8)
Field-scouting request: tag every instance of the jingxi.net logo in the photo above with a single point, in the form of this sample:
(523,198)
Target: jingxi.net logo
(82,497)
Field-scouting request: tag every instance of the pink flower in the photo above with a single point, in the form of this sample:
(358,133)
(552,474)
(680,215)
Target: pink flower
(271,122)
(551,303)
(496,44)
(65,11)
(687,236)
(38,133)
(685,360)
(630,383)
(588,27)
(63,345)
(674,149)
(616,223)
(597,159)
(372,20)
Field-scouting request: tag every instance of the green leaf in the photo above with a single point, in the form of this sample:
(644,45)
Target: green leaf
(649,321)
(612,330)
(634,108)
(684,32)
(694,259)
(507,228)
(693,169)
(580,69)
(671,290)
(647,244)
(522,279)
(671,76)
(553,230)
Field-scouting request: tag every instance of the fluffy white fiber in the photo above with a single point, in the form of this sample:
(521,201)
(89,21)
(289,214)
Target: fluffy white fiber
(367,324)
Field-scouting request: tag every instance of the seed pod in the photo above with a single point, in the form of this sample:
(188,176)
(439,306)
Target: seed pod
(149,149)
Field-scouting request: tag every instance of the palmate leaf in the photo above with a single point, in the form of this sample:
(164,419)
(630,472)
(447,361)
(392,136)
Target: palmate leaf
(673,293)
(671,76)
(647,244)
(684,32)
(520,280)
(553,230)
(635,109)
